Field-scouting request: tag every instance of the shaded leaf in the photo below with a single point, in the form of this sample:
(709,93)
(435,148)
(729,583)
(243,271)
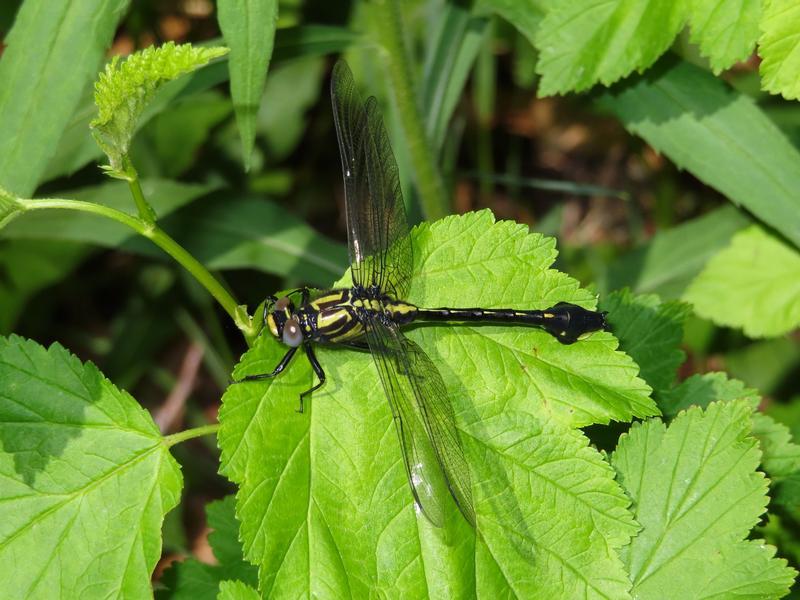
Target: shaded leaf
(236,590)
(719,135)
(37,100)
(324,502)
(87,479)
(753,284)
(249,30)
(194,580)
(668,263)
(702,390)
(697,494)
(650,332)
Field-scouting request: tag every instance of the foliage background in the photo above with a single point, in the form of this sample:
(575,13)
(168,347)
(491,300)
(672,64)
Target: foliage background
(680,182)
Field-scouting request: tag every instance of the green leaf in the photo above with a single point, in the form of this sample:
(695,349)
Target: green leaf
(29,266)
(249,30)
(697,494)
(650,332)
(194,580)
(668,263)
(779,49)
(51,54)
(291,90)
(324,502)
(126,87)
(235,233)
(781,455)
(164,195)
(725,30)
(312,40)
(525,16)
(718,135)
(753,284)
(457,38)
(168,145)
(10,208)
(585,42)
(702,390)
(87,479)
(236,590)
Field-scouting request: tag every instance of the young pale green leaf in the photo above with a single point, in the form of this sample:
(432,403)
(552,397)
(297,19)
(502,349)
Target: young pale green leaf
(236,590)
(779,49)
(194,580)
(585,42)
(718,135)
(650,332)
(87,479)
(669,262)
(754,284)
(697,494)
(126,87)
(51,54)
(249,30)
(324,501)
(725,30)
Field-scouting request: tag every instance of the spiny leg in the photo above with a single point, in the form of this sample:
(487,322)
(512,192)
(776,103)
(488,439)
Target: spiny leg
(281,366)
(317,369)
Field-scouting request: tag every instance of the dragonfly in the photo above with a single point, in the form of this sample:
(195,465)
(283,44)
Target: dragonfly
(370,314)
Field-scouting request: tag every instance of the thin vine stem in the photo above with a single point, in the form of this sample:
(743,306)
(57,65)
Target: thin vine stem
(389,26)
(161,239)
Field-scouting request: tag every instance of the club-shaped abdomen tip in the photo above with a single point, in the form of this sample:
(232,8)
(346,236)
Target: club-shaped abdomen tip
(571,322)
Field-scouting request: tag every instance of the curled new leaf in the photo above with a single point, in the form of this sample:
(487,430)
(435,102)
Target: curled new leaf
(125,88)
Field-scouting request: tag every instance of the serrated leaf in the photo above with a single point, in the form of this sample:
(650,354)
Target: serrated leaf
(697,494)
(650,332)
(87,479)
(126,87)
(781,455)
(702,390)
(236,590)
(249,30)
(51,54)
(779,48)
(725,30)
(194,580)
(585,41)
(753,284)
(719,135)
(324,502)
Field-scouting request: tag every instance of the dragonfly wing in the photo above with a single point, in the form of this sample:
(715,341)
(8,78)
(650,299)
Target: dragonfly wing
(423,415)
(377,229)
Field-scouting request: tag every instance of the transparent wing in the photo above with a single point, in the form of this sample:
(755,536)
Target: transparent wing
(423,415)
(377,229)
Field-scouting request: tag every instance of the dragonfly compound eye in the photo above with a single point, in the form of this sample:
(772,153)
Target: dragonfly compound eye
(292,335)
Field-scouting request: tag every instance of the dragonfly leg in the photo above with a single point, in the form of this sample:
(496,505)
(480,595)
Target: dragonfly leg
(281,366)
(317,369)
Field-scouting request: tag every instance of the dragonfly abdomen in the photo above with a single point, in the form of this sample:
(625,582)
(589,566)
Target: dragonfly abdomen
(564,321)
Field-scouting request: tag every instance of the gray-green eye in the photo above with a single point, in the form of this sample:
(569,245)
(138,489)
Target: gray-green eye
(292,335)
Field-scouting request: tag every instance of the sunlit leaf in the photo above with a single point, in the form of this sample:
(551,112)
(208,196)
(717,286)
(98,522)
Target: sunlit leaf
(725,30)
(324,501)
(779,48)
(697,494)
(87,479)
(753,284)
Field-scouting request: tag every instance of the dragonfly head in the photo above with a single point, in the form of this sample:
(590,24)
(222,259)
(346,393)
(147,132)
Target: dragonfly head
(283,323)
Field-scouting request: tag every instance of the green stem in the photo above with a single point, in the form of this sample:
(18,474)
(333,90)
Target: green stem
(389,29)
(146,212)
(160,238)
(188,434)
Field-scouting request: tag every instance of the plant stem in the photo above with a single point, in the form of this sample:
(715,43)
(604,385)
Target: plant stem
(146,212)
(160,238)
(429,182)
(188,434)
